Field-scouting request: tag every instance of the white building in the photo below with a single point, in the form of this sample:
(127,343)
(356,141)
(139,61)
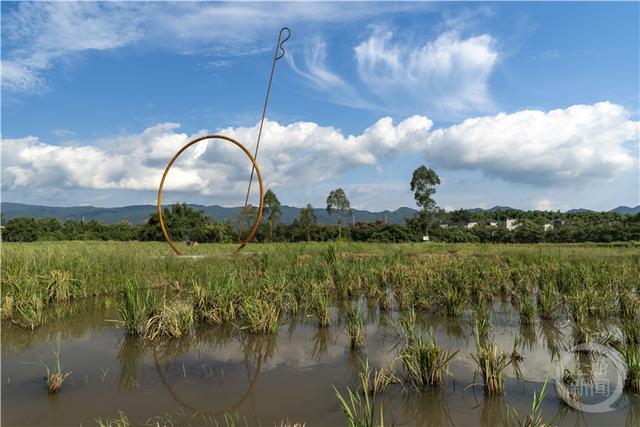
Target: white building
(512,224)
(547,227)
(493,224)
(471,225)
(444,225)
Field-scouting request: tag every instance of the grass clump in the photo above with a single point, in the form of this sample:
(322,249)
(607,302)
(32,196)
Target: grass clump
(425,361)
(120,421)
(319,307)
(29,312)
(631,354)
(355,327)
(359,406)
(137,308)
(527,310)
(548,302)
(58,286)
(6,311)
(534,418)
(375,381)
(261,315)
(172,320)
(491,363)
(55,376)
(217,305)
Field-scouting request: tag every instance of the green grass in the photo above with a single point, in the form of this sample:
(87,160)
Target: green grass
(534,417)
(137,308)
(159,295)
(359,406)
(55,376)
(491,363)
(355,327)
(225,287)
(425,361)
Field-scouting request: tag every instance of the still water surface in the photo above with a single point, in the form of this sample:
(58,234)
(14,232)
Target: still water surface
(265,380)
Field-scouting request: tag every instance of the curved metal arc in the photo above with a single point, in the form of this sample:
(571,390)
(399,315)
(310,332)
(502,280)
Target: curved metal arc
(172,161)
(281,42)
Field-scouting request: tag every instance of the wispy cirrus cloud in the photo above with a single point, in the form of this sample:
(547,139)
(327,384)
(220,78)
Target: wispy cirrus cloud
(317,73)
(37,36)
(446,77)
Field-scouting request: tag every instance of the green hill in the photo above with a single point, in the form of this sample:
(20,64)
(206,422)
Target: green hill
(139,213)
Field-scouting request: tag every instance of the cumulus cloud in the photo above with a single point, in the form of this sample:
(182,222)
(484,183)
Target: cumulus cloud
(300,153)
(447,75)
(563,146)
(569,146)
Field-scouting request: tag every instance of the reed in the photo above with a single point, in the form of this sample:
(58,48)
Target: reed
(548,302)
(426,362)
(319,307)
(172,320)
(631,354)
(120,421)
(534,417)
(491,362)
(446,277)
(55,376)
(260,314)
(29,312)
(58,286)
(375,381)
(355,327)
(6,311)
(359,407)
(527,310)
(137,308)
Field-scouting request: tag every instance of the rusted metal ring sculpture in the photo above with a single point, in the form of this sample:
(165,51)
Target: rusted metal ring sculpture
(283,36)
(253,230)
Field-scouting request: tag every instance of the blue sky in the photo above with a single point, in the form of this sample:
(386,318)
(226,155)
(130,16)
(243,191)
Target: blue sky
(531,105)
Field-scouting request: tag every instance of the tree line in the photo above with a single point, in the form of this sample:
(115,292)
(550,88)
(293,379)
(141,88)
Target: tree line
(189,225)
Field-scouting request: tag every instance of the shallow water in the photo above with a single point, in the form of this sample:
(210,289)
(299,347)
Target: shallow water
(265,379)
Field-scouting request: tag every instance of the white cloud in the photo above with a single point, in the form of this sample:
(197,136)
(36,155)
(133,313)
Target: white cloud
(38,35)
(300,153)
(317,74)
(576,145)
(544,205)
(447,75)
(63,132)
(564,146)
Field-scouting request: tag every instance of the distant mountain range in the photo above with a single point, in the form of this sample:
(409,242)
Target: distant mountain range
(619,209)
(139,213)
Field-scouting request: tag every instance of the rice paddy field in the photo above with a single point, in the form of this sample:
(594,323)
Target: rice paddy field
(126,333)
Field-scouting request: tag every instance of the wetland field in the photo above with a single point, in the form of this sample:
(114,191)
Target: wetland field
(319,334)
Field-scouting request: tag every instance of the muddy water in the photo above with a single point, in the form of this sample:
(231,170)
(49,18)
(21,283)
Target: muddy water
(262,380)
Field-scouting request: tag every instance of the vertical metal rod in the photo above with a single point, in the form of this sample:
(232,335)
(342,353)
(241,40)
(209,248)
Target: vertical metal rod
(279,53)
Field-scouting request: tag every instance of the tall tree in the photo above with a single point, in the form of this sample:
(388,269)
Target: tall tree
(272,205)
(308,220)
(338,201)
(182,222)
(423,185)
